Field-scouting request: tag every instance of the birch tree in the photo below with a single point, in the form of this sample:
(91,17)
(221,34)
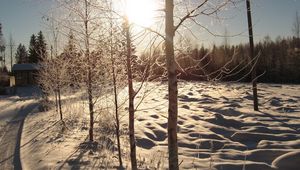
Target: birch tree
(83,18)
(170,29)
(51,79)
(131,94)
(117,66)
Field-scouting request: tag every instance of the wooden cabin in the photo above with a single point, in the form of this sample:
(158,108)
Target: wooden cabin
(25,74)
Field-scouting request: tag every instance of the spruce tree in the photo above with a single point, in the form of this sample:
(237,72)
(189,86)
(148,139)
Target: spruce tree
(33,55)
(41,47)
(71,47)
(71,55)
(21,55)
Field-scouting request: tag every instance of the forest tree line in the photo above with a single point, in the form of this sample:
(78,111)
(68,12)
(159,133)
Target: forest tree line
(277,61)
(37,50)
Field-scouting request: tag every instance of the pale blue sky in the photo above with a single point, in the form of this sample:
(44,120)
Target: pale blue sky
(270,17)
(22,18)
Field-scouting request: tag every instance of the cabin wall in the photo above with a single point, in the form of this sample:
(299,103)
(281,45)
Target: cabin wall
(24,78)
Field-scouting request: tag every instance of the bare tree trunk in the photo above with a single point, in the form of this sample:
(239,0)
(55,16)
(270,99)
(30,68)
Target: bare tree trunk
(131,99)
(58,97)
(59,103)
(56,89)
(56,101)
(117,115)
(253,74)
(91,106)
(115,93)
(89,75)
(172,87)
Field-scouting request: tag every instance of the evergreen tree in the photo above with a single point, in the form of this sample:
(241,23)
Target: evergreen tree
(33,55)
(72,56)
(71,47)
(21,55)
(37,48)
(41,47)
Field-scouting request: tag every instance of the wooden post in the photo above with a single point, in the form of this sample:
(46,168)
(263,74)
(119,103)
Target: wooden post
(251,52)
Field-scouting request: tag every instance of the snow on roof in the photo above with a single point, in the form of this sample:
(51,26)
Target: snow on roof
(25,67)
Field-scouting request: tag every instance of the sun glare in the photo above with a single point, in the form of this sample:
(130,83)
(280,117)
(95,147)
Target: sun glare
(141,12)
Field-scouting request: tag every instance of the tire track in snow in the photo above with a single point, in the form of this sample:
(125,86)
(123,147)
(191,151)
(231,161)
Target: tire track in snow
(10,142)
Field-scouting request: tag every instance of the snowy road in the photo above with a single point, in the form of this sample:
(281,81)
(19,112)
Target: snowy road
(13,110)
(10,140)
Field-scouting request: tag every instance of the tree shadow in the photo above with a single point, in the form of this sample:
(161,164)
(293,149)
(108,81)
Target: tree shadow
(32,139)
(79,160)
(283,123)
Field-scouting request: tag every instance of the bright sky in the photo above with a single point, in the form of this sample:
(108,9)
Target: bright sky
(270,17)
(22,18)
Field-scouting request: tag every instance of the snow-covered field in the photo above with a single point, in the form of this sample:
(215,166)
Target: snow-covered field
(217,129)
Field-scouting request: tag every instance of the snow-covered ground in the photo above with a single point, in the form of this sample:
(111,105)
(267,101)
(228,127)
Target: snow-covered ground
(217,129)
(10,105)
(13,111)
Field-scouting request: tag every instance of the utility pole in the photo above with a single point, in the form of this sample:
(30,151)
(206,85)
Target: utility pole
(11,45)
(251,52)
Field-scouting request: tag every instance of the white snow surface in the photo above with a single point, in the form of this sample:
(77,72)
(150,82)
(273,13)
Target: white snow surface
(11,105)
(217,129)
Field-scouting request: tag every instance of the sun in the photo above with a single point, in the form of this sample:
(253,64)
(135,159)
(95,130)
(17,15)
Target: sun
(141,12)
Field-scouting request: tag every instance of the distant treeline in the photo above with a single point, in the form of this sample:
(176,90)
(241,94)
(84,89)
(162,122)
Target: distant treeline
(277,62)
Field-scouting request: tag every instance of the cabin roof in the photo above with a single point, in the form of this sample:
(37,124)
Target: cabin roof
(25,67)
